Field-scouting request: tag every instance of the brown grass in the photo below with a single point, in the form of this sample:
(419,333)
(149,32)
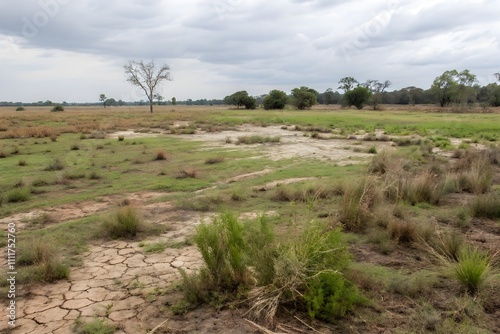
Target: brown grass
(161,155)
(187,173)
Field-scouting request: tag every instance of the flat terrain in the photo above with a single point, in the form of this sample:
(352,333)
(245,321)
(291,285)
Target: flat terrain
(64,174)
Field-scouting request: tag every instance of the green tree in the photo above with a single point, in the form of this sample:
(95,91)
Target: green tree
(174,101)
(240,99)
(103,99)
(453,86)
(329,97)
(158,98)
(348,83)
(377,88)
(304,97)
(147,76)
(357,97)
(276,99)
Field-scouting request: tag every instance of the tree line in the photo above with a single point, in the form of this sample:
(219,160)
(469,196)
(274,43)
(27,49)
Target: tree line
(451,87)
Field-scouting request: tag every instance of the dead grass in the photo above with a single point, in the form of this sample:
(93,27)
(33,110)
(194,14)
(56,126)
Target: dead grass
(187,173)
(161,155)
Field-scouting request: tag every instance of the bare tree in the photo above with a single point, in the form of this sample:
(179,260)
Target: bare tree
(147,76)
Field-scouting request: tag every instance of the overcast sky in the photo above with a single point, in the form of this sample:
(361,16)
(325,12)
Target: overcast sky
(73,50)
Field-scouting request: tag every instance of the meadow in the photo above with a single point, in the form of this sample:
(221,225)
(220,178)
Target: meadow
(407,201)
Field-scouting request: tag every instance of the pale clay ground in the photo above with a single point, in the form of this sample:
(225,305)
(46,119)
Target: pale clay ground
(118,280)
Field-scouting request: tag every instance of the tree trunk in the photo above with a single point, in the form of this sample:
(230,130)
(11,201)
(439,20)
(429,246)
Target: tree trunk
(151,106)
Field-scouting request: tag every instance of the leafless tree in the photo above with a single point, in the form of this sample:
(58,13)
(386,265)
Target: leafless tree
(147,76)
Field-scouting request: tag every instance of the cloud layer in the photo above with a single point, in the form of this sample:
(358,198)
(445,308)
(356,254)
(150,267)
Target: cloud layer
(73,50)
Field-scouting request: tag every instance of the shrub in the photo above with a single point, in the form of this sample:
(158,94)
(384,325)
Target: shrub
(125,223)
(372,150)
(472,268)
(121,138)
(75,147)
(20,109)
(222,247)
(161,155)
(57,108)
(486,206)
(330,296)
(18,195)
(22,163)
(55,165)
(301,269)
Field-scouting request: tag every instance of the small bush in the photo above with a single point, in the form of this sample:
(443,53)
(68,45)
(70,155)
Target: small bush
(96,326)
(222,247)
(57,108)
(372,150)
(329,296)
(4,154)
(55,165)
(121,138)
(20,109)
(18,195)
(21,163)
(472,268)
(75,147)
(161,155)
(486,206)
(125,223)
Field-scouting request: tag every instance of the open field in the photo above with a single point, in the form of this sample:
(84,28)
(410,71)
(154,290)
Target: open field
(415,193)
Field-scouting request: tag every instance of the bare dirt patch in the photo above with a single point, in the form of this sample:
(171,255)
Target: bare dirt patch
(293,144)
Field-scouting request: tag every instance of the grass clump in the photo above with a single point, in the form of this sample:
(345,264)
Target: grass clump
(125,223)
(20,109)
(256,139)
(154,248)
(55,165)
(472,268)
(42,261)
(357,204)
(214,160)
(486,206)
(18,195)
(161,155)
(96,326)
